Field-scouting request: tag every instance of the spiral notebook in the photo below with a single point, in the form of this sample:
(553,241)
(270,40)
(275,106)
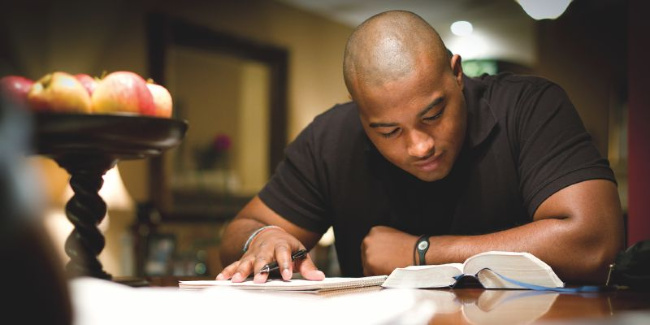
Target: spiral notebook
(295,285)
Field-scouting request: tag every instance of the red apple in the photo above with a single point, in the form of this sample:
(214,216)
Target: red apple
(15,89)
(162,99)
(87,81)
(59,92)
(123,92)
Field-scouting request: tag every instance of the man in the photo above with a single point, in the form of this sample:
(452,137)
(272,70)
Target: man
(426,154)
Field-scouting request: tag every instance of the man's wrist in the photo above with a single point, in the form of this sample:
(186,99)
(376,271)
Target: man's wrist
(255,233)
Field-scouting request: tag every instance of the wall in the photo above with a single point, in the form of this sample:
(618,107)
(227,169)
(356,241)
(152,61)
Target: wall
(315,46)
(639,119)
(583,51)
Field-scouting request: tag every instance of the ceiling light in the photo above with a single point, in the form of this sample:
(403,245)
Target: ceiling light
(461,28)
(469,47)
(544,9)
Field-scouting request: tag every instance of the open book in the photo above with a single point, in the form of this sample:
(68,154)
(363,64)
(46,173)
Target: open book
(296,285)
(494,270)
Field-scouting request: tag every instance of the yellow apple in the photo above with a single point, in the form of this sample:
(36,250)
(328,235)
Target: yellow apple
(59,92)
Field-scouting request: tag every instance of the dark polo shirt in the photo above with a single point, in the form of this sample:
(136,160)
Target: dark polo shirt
(525,141)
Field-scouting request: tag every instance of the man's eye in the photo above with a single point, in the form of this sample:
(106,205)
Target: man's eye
(434,117)
(389,134)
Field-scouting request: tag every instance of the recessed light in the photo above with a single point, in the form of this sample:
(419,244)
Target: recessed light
(462,28)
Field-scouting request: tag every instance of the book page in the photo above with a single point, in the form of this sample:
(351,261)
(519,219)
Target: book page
(424,276)
(331,283)
(519,266)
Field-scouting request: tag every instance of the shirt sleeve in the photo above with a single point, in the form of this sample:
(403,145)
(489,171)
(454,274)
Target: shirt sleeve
(295,190)
(555,150)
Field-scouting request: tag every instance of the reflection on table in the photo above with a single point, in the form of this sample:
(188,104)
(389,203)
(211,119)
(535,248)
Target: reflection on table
(479,306)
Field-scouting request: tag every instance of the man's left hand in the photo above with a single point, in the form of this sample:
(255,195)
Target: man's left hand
(386,248)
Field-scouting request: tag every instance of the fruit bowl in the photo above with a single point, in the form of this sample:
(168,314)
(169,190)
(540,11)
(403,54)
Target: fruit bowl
(118,136)
(86,146)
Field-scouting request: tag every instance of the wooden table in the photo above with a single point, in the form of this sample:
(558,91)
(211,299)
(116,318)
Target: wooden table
(479,306)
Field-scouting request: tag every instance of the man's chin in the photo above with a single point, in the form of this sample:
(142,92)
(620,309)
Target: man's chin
(430,176)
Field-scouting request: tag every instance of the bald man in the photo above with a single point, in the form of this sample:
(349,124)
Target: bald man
(424,154)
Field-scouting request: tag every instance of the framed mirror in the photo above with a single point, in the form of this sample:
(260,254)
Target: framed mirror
(233,93)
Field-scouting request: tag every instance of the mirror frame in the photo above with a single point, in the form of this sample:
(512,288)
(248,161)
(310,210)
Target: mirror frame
(164,31)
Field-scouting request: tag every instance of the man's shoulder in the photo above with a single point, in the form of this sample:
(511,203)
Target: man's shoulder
(343,112)
(512,83)
(338,126)
(505,93)
(339,120)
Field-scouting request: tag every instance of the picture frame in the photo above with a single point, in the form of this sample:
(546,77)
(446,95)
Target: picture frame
(175,187)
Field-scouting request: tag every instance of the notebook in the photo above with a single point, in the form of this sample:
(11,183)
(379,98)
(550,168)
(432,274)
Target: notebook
(295,285)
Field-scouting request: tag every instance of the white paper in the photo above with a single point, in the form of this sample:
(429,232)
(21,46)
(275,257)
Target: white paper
(99,302)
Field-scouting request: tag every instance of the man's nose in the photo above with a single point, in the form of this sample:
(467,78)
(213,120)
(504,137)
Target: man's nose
(420,144)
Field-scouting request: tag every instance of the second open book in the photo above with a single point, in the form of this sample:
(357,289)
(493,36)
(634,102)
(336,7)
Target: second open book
(494,270)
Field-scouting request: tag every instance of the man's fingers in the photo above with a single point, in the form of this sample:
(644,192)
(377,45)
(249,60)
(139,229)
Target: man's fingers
(260,277)
(243,270)
(309,271)
(285,264)
(238,277)
(228,271)
(262,260)
(254,261)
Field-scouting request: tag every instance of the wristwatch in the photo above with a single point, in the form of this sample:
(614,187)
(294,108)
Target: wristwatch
(422,246)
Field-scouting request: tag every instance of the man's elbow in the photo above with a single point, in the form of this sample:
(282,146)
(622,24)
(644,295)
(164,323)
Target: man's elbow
(597,254)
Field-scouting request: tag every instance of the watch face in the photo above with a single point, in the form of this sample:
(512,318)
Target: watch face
(423,245)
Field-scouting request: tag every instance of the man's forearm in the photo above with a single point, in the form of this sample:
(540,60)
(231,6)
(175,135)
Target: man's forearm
(574,256)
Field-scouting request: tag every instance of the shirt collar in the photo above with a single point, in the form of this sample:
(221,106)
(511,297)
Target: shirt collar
(481,119)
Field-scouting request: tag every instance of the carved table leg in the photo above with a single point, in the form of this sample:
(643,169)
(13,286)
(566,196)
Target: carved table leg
(85,210)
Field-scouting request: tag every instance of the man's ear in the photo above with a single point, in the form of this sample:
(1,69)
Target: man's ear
(457,68)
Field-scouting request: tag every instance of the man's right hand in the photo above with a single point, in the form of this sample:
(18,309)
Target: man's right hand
(272,244)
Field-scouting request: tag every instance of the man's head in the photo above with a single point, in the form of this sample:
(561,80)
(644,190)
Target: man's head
(409,92)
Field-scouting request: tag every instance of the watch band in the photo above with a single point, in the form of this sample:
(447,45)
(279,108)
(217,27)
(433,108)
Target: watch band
(422,246)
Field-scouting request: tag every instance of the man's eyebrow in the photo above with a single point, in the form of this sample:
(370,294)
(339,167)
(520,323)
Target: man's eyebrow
(430,106)
(420,114)
(381,125)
